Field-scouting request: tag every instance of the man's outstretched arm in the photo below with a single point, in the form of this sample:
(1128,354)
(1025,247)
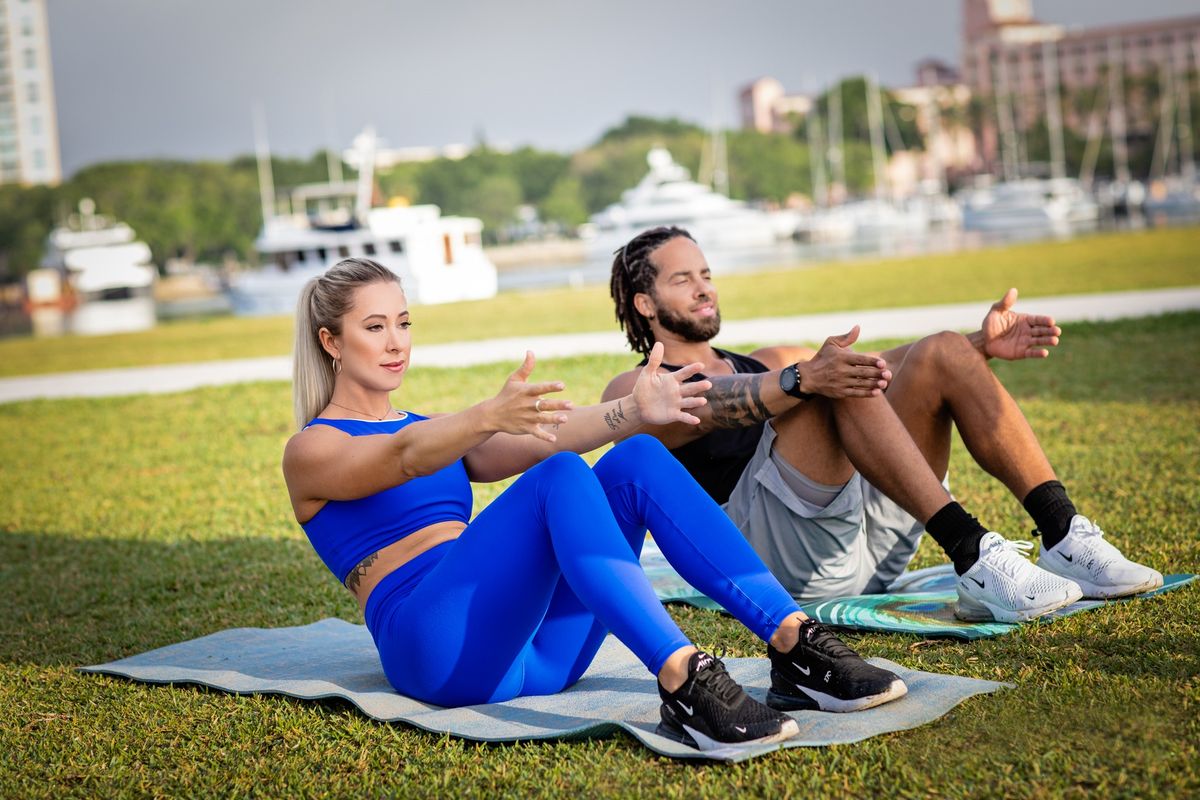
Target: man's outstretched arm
(1004,333)
(745,399)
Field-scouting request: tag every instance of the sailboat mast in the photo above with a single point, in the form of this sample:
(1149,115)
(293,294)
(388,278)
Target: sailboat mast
(836,160)
(1187,160)
(875,121)
(1095,133)
(266,181)
(1058,159)
(333,159)
(934,145)
(720,163)
(1116,110)
(366,176)
(816,159)
(1166,118)
(1004,121)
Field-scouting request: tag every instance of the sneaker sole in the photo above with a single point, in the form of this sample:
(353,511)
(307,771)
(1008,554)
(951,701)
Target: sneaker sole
(1093,591)
(694,738)
(837,705)
(969,609)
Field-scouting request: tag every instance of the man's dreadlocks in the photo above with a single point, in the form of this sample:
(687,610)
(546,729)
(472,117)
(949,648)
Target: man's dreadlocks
(632,273)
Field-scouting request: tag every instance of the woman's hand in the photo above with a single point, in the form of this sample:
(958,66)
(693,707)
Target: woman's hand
(663,398)
(519,407)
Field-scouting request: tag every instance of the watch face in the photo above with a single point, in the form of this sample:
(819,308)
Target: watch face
(788,380)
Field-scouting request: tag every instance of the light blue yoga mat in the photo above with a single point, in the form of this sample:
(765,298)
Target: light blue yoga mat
(334,658)
(920,602)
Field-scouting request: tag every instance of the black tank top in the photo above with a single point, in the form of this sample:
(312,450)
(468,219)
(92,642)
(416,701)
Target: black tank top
(717,459)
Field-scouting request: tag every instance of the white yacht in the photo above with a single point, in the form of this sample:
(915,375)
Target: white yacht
(874,219)
(668,196)
(439,259)
(99,258)
(1057,203)
(97,269)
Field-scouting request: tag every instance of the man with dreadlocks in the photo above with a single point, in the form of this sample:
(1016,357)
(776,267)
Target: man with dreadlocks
(832,462)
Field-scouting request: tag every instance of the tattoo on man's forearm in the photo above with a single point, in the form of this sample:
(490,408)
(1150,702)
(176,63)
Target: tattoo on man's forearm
(614,417)
(737,402)
(356,575)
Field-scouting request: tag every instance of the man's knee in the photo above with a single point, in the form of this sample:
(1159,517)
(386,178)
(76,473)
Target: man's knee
(940,353)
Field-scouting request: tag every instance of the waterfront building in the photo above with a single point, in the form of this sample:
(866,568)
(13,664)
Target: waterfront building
(940,99)
(1009,59)
(29,151)
(767,108)
(388,157)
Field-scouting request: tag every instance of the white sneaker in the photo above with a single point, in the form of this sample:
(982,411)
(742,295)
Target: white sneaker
(1005,586)
(1097,566)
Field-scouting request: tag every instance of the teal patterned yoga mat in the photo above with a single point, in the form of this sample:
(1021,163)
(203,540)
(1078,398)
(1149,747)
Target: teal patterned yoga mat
(920,602)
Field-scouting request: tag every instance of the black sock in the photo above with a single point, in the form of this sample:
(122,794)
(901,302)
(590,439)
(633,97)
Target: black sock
(1051,510)
(958,533)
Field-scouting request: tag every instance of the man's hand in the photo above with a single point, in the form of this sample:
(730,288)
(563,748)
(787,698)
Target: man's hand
(837,371)
(1012,336)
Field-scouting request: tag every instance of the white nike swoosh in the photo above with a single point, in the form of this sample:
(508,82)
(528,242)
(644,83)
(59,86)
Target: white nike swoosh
(685,708)
(805,670)
(739,730)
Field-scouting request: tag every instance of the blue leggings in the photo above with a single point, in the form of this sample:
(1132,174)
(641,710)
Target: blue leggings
(521,601)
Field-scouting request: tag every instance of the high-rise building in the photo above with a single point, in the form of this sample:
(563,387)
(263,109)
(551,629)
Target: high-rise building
(28,122)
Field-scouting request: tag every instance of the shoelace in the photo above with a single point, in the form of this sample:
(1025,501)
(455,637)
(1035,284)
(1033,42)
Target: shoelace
(1103,552)
(1089,530)
(716,680)
(1013,553)
(824,640)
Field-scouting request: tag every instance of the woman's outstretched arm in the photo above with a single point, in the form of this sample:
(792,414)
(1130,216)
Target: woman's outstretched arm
(655,399)
(322,463)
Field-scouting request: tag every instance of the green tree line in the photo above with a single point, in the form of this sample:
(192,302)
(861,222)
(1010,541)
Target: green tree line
(209,210)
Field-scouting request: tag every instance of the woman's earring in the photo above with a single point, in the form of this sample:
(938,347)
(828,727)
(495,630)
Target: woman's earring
(337,365)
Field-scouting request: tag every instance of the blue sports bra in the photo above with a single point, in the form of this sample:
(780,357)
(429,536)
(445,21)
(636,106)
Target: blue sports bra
(344,532)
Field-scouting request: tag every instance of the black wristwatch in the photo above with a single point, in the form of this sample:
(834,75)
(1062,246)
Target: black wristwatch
(789,383)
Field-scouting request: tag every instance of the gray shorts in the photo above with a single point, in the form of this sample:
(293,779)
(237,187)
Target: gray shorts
(857,544)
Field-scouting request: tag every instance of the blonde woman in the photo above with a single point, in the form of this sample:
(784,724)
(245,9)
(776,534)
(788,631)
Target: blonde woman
(518,600)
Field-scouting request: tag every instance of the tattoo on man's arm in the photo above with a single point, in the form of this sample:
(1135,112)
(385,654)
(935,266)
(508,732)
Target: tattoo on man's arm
(356,575)
(737,402)
(614,417)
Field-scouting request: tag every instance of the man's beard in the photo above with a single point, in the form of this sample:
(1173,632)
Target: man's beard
(688,328)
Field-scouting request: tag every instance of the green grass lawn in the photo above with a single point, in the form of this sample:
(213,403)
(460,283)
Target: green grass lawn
(132,523)
(1099,263)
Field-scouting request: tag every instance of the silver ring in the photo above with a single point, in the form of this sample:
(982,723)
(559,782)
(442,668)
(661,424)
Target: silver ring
(538,406)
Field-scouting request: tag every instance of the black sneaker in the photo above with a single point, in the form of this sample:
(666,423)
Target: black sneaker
(821,672)
(710,710)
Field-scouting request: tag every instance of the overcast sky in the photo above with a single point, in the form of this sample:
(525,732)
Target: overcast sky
(179,78)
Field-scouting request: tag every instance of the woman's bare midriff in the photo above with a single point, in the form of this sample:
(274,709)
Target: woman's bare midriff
(373,569)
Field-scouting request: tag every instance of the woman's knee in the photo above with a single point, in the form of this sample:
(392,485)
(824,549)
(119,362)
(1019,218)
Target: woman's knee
(642,446)
(638,455)
(560,465)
